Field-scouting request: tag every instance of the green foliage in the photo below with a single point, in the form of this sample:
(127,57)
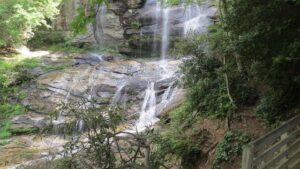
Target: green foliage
(105,149)
(180,115)
(65,48)
(13,73)
(191,45)
(230,148)
(20,131)
(179,140)
(271,107)
(206,86)
(136,24)
(248,45)
(19,18)
(64,163)
(172,2)
(9,110)
(86,14)
(265,34)
(46,38)
(4,130)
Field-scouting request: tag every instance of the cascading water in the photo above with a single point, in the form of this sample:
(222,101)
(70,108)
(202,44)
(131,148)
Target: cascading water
(60,119)
(159,87)
(148,110)
(156,30)
(140,46)
(100,57)
(117,96)
(79,125)
(196,19)
(99,26)
(165,34)
(166,96)
(92,78)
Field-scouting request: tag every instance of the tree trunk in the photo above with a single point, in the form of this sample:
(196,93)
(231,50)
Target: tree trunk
(228,117)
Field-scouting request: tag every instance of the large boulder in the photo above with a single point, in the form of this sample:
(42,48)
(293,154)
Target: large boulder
(29,121)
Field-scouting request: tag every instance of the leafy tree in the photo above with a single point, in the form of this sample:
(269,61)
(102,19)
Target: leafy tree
(257,44)
(265,35)
(102,144)
(19,19)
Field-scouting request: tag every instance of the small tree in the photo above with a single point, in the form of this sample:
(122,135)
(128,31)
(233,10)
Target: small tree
(102,144)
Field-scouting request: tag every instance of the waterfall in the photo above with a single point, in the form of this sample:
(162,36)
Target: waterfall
(60,119)
(196,19)
(157,15)
(148,110)
(165,34)
(166,96)
(117,96)
(140,41)
(79,125)
(100,24)
(92,78)
(100,57)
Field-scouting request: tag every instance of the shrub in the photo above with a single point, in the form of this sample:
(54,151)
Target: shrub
(192,45)
(4,130)
(270,107)
(14,73)
(230,147)
(206,86)
(136,24)
(176,141)
(45,38)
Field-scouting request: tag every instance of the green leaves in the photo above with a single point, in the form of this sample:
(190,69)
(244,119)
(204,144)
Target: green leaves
(86,14)
(230,147)
(19,19)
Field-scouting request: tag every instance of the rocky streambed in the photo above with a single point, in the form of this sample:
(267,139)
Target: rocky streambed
(148,88)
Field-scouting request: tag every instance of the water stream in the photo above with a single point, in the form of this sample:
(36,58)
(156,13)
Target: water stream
(99,27)
(117,96)
(165,34)
(156,24)
(195,20)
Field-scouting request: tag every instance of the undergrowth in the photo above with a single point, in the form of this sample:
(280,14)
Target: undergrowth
(13,73)
(230,148)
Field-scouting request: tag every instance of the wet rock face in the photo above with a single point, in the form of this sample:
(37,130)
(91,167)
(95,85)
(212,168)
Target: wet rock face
(104,78)
(128,22)
(30,120)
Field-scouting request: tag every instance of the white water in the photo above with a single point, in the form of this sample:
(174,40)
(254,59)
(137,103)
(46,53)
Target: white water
(117,96)
(148,110)
(100,24)
(196,19)
(100,57)
(60,119)
(155,33)
(165,34)
(79,125)
(166,96)
(92,78)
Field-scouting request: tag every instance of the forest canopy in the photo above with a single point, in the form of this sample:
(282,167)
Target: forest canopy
(20,18)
